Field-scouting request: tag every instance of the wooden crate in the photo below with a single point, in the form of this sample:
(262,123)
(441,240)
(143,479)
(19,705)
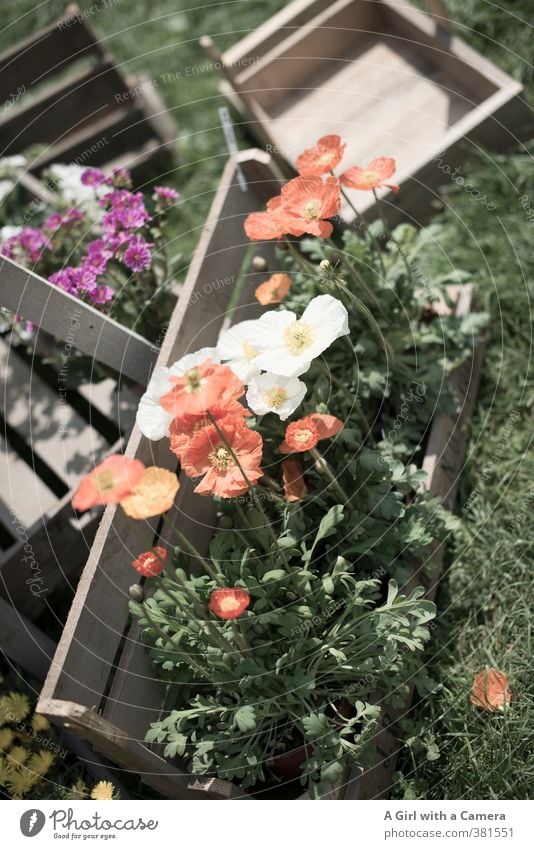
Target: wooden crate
(64,92)
(390,79)
(101,683)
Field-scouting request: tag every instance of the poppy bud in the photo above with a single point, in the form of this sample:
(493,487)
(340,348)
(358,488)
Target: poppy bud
(259,263)
(136,592)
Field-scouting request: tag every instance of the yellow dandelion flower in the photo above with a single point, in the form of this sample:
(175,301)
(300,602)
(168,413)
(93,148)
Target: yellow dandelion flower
(18,755)
(5,771)
(14,707)
(39,722)
(103,790)
(41,761)
(20,782)
(6,738)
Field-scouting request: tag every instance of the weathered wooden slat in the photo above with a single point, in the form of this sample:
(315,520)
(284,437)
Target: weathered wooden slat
(59,313)
(61,109)
(21,491)
(41,416)
(44,53)
(24,642)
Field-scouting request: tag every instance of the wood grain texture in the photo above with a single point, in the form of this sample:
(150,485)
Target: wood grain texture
(59,313)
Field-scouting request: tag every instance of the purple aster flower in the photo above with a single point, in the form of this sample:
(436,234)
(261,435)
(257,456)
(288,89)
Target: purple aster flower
(86,274)
(102,295)
(137,256)
(32,241)
(165,193)
(94,177)
(67,279)
(121,177)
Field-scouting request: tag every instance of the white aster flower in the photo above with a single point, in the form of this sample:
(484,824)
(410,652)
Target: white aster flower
(153,421)
(236,351)
(272,393)
(287,345)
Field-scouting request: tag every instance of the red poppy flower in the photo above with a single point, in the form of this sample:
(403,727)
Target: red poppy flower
(208,454)
(323,157)
(201,388)
(150,563)
(490,690)
(229,602)
(304,434)
(306,202)
(372,177)
(294,484)
(110,482)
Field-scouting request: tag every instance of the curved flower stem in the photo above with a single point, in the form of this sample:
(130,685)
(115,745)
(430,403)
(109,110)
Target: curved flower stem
(351,398)
(194,552)
(305,264)
(371,320)
(324,467)
(253,495)
(365,227)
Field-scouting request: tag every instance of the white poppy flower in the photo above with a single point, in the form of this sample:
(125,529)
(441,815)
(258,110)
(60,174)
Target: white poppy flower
(153,421)
(236,351)
(272,393)
(287,345)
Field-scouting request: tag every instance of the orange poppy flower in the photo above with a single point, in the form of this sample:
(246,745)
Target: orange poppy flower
(208,454)
(372,177)
(490,690)
(294,484)
(324,156)
(273,290)
(184,428)
(265,225)
(305,433)
(150,563)
(229,602)
(306,202)
(201,388)
(153,495)
(108,483)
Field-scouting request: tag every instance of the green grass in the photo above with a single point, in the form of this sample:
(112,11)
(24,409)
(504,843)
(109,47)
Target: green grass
(485,599)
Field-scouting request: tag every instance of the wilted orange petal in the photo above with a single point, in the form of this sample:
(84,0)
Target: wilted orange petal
(490,690)
(154,494)
(274,290)
(294,484)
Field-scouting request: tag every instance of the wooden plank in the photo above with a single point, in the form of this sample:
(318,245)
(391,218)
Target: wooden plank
(23,642)
(44,53)
(41,416)
(61,109)
(59,313)
(22,491)
(133,756)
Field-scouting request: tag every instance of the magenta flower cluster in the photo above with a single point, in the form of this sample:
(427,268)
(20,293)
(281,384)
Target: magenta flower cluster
(125,216)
